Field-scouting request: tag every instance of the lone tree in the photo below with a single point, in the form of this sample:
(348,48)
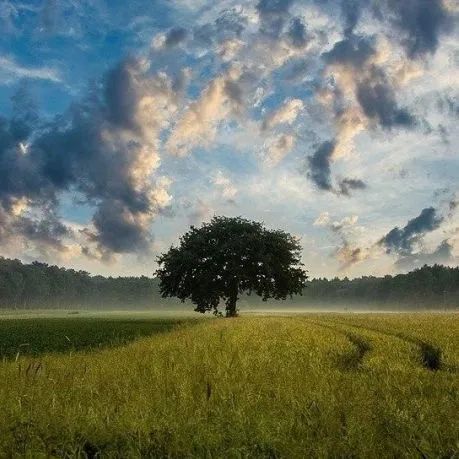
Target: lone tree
(227,257)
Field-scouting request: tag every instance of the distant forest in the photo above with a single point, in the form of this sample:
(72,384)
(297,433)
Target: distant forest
(38,285)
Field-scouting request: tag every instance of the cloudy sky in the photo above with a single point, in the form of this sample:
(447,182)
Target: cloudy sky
(122,123)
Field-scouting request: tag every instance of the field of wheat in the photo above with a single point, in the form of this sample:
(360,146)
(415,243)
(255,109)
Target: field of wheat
(315,385)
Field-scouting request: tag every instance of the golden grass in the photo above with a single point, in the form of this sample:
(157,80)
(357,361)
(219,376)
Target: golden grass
(303,386)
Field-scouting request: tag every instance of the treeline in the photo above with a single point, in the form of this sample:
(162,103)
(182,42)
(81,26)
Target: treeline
(38,285)
(424,288)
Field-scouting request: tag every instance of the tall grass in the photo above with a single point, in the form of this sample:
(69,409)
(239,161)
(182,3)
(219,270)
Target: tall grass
(247,387)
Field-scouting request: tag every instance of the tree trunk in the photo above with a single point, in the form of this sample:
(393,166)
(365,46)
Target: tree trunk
(231,310)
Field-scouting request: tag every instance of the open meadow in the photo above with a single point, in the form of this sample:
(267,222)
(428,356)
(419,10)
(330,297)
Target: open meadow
(303,385)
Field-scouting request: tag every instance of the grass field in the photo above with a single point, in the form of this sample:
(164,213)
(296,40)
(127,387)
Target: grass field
(315,385)
(66,335)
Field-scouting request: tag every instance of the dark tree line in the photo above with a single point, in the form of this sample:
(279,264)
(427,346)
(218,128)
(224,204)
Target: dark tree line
(39,285)
(427,287)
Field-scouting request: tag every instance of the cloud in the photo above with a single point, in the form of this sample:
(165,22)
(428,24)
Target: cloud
(200,212)
(377,99)
(347,185)
(260,78)
(443,254)
(22,227)
(273,14)
(223,99)
(346,222)
(11,71)
(420,22)
(403,240)
(417,24)
(346,253)
(286,114)
(359,91)
(452,206)
(198,124)
(175,36)
(105,148)
(227,188)
(349,256)
(449,103)
(351,11)
(278,148)
(319,166)
(297,35)
(405,243)
(353,50)
(231,23)
(227,26)
(322,220)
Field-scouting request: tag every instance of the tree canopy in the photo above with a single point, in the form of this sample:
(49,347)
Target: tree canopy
(229,256)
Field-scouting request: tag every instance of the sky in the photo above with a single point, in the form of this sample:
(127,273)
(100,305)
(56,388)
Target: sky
(123,123)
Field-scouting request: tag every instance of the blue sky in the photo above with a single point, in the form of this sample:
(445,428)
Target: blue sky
(122,123)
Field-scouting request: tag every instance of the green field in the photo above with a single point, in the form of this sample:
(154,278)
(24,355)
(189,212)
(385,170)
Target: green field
(313,385)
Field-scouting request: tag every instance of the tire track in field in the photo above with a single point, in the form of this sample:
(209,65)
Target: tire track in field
(430,355)
(352,360)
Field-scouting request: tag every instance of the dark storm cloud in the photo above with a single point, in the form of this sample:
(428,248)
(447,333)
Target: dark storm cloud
(83,151)
(273,15)
(347,185)
(120,235)
(120,99)
(296,34)
(420,23)
(319,165)
(319,171)
(175,36)
(353,50)
(403,240)
(378,100)
(351,12)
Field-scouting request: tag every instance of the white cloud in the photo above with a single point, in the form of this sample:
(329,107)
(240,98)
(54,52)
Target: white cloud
(227,188)
(286,114)
(10,71)
(322,220)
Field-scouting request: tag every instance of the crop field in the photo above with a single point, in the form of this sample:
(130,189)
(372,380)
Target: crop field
(65,335)
(312,385)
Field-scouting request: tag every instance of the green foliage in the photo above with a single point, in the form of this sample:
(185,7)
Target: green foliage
(42,335)
(344,385)
(227,257)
